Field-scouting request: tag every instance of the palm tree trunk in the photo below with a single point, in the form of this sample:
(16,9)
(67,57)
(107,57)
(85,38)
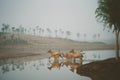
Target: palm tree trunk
(117,44)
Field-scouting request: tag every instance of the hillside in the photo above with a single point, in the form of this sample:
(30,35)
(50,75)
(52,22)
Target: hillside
(40,45)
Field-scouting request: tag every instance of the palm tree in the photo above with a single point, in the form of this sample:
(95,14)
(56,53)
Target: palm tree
(37,29)
(108,12)
(42,31)
(3,29)
(78,35)
(56,33)
(13,29)
(98,36)
(68,33)
(94,37)
(85,36)
(6,27)
(62,34)
(49,31)
(29,30)
(34,32)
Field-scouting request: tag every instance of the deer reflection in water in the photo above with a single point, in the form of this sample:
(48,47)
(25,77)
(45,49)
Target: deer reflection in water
(68,63)
(55,64)
(73,65)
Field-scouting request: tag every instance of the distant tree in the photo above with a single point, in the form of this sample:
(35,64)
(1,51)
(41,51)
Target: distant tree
(21,29)
(85,35)
(49,32)
(98,36)
(29,30)
(62,34)
(108,12)
(17,30)
(94,36)
(37,30)
(78,35)
(6,27)
(3,29)
(68,33)
(34,32)
(56,33)
(42,32)
(13,29)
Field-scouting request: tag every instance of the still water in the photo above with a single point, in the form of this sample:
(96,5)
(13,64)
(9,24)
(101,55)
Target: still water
(46,69)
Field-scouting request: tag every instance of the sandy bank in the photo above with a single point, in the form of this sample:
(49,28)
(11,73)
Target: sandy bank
(101,70)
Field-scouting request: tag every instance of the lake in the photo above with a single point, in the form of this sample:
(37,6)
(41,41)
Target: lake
(46,69)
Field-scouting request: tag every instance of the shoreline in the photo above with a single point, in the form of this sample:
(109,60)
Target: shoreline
(108,69)
(8,54)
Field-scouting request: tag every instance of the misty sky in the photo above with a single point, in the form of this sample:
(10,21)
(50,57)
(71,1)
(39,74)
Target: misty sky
(73,15)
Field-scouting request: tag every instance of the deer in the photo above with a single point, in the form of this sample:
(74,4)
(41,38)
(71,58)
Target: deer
(76,54)
(54,54)
(67,56)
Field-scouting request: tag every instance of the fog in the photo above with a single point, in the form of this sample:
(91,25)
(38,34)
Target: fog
(76,16)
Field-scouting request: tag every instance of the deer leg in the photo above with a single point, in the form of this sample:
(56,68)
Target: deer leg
(74,59)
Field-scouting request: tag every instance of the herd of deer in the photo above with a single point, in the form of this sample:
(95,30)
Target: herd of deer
(71,55)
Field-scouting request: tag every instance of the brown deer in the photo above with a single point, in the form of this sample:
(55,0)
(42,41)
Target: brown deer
(76,54)
(54,54)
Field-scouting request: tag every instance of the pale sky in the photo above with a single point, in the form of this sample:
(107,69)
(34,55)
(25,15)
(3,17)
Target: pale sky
(73,15)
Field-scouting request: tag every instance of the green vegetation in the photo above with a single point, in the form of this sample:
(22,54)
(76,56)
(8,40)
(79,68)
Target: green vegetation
(108,12)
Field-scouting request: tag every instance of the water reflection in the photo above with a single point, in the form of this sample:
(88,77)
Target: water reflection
(58,64)
(54,69)
(17,69)
(73,65)
(55,64)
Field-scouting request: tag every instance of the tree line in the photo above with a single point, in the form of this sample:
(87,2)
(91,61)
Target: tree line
(38,31)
